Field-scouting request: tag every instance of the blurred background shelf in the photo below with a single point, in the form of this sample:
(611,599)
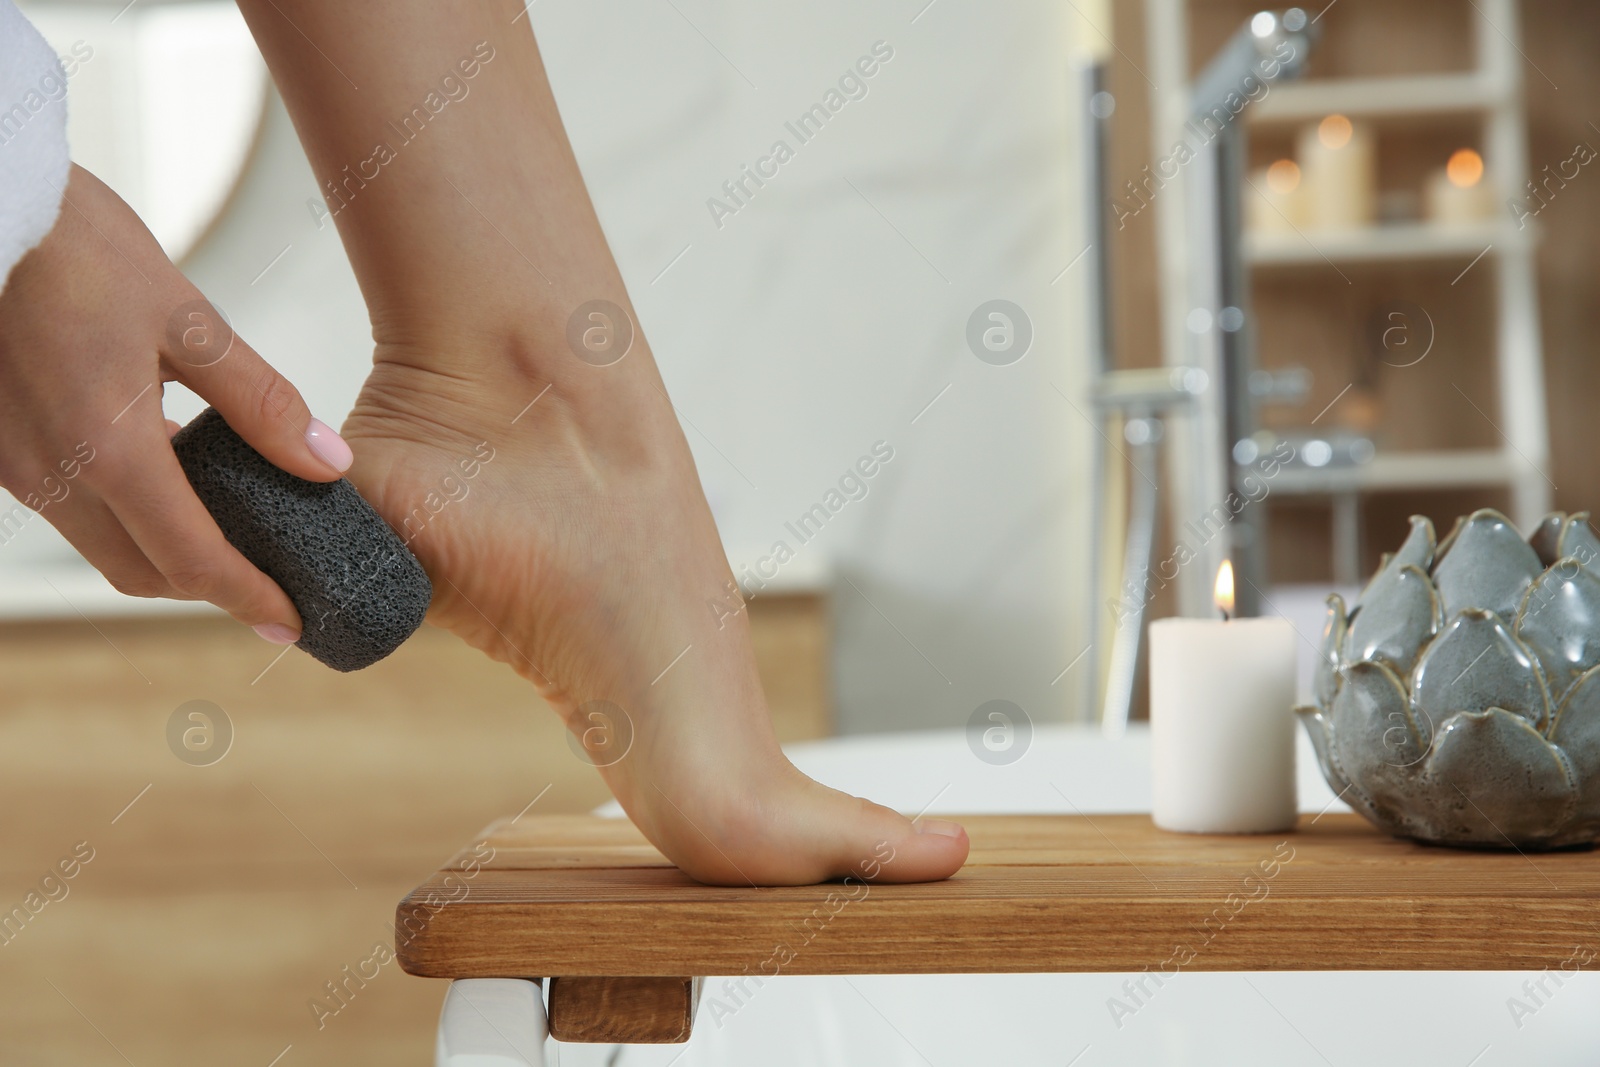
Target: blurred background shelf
(1402,96)
(1423,340)
(1454,468)
(1408,241)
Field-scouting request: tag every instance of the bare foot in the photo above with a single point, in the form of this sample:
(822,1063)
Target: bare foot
(571,540)
(583,552)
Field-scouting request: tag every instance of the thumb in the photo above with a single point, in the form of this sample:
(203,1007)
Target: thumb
(261,405)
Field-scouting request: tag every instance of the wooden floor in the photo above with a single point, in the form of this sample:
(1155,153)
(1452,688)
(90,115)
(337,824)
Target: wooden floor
(216,908)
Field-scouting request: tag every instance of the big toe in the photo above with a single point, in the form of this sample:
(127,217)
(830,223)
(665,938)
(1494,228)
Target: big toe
(800,833)
(926,850)
(867,840)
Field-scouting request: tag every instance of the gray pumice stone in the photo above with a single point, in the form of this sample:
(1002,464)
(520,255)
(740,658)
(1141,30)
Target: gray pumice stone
(359,590)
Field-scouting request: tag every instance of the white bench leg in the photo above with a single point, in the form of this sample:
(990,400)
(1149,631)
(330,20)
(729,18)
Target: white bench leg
(492,1022)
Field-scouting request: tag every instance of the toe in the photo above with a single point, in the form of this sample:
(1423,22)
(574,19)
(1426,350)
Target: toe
(902,850)
(849,836)
(799,832)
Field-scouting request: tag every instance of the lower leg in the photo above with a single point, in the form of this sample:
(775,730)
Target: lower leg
(578,546)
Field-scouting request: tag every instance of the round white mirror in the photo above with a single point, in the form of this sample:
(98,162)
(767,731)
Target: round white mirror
(164,101)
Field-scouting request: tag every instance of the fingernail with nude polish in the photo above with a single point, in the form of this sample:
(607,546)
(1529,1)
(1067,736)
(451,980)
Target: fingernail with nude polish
(939,826)
(329,445)
(276,632)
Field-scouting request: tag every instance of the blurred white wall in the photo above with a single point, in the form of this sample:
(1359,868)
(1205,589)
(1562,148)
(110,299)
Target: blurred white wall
(822,317)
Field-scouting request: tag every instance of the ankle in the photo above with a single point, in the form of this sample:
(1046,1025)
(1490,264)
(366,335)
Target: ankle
(593,356)
(540,332)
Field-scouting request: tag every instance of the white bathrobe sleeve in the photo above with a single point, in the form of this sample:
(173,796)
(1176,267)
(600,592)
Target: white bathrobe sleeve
(33,137)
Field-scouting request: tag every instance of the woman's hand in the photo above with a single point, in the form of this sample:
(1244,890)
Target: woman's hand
(92,323)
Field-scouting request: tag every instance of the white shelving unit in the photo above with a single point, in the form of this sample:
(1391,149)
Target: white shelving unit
(1492,91)
(1456,468)
(1420,95)
(1401,242)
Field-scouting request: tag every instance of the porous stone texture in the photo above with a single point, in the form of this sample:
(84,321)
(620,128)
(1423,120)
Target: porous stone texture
(359,590)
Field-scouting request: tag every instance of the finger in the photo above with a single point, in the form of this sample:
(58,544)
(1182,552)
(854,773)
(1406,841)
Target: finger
(201,351)
(158,508)
(95,532)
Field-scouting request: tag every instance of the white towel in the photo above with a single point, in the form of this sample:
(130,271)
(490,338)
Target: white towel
(33,137)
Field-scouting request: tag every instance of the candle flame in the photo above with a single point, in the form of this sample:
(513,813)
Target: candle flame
(1465,168)
(1223,590)
(1283,176)
(1335,131)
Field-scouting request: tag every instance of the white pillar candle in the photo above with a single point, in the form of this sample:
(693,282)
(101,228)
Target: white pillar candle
(1459,194)
(1274,199)
(1222,724)
(1338,163)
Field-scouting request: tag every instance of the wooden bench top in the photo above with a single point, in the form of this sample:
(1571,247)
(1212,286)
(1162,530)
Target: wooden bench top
(546,896)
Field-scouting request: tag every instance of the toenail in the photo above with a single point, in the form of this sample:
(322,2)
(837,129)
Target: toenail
(942,827)
(329,446)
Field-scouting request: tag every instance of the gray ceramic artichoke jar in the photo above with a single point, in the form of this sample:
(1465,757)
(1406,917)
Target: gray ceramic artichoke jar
(1458,701)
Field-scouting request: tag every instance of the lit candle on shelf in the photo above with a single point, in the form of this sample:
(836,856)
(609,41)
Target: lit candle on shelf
(1274,199)
(1338,164)
(1459,193)
(1222,721)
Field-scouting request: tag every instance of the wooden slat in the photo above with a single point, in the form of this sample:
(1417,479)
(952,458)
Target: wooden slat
(576,895)
(636,1011)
